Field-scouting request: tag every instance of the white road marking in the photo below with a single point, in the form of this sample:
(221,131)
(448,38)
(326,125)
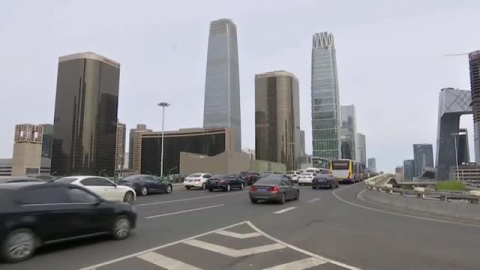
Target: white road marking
(298,265)
(166,262)
(233,252)
(239,235)
(401,215)
(189,199)
(184,211)
(284,210)
(299,249)
(313,200)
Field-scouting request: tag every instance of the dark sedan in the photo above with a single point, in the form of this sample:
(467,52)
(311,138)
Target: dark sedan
(324,181)
(144,184)
(35,214)
(275,187)
(19,179)
(249,177)
(225,182)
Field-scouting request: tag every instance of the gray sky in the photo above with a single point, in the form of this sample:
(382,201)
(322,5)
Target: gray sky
(389,54)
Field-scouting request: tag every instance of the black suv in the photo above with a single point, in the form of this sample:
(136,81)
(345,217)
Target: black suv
(33,214)
(249,177)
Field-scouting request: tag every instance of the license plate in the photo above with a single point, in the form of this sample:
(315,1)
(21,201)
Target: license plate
(262,190)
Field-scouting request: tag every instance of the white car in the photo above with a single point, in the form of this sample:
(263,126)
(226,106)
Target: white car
(306,178)
(196,180)
(102,187)
(293,175)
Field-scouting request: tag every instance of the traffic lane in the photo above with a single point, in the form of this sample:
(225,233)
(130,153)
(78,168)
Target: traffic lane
(178,193)
(373,240)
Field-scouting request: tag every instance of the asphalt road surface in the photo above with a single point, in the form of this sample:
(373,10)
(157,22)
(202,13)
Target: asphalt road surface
(324,229)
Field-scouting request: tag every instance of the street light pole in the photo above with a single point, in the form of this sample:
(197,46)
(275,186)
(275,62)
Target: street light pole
(456,152)
(163,105)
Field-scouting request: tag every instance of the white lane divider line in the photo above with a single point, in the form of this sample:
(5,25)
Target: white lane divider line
(284,210)
(185,211)
(239,235)
(233,252)
(166,262)
(189,199)
(298,265)
(313,200)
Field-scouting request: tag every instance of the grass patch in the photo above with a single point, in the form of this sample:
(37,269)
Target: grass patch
(450,186)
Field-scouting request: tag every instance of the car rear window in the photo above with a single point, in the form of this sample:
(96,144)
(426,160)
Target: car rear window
(218,176)
(269,181)
(307,174)
(66,180)
(195,175)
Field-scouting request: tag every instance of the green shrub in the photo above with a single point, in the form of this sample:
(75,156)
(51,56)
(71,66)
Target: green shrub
(450,185)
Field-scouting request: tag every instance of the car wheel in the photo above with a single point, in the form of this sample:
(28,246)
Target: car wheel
(144,191)
(253,200)
(314,187)
(121,228)
(19,245)
(188,188)
(210,189)
(169,189)
(242,186)
(128,198)
(283,200)
(204,186)
(297,195)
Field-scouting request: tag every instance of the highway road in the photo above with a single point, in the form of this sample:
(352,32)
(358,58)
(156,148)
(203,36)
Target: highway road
(324,229)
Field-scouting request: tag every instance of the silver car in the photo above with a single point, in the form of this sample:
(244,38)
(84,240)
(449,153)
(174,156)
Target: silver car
(275,187)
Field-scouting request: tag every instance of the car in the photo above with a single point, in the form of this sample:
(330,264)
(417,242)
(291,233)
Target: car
(145,184)
(17,179)
(103,187)
(293,175)
(306,178)
(225,182)
(324,180)
(275,187)
(33,214)
(249,177)
(196,180)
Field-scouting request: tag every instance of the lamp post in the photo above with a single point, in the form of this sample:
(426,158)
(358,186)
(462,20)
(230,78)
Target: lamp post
(456,152)
(163,105)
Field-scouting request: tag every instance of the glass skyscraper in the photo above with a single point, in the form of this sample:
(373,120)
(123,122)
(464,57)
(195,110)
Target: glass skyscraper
(325,98)
(474,62)
(47,141)
(423,156)
(222,85)
(85,122)
(348,132)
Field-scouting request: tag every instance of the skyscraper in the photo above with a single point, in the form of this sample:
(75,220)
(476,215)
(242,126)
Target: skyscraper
(135,147)
(361,149)
(85,120)
(423,156)
(408,169)
(463,148)
(277,118)
(27,150)
(222,85)
(474,61)
(348,132)
(120,146)
(47,141)
(372,164)
(325,98)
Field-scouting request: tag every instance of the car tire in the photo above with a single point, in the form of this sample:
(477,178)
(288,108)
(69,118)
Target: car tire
(19,246)
(144,191)
(188,188)
(210,189)
(204,186)
(254,201)
(297,196)
(242,186)
(121,227)
(283,200)
(314,187)
(129,197)
(169,189)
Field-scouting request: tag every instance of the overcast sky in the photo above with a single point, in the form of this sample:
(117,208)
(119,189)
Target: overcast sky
(390,57)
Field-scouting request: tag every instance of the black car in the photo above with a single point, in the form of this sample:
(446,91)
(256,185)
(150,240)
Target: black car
(249,177)
(19,179)
(144,184)
(324,180)
(225,182)
(33,214)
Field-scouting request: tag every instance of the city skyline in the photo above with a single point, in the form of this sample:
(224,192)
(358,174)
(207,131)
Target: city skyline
(137,85)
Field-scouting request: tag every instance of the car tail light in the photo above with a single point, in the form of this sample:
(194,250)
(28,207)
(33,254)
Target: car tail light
(273,189)
(253,188)
(197,180)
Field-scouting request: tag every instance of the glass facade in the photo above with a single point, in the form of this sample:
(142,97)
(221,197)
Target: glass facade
(361,149)
(120,146)
(348,132)
(277,118)
(408,169)
(474,62)
(222,85)
(423,156)
(204,142)
(47,141)
(85,120)
(325,98)
(372,164)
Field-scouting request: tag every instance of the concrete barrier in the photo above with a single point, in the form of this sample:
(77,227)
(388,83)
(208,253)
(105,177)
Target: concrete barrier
(462,210)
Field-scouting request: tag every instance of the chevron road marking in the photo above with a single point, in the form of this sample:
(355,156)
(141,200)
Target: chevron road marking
(239,235)
(233,252)
(298,265)
(166,262)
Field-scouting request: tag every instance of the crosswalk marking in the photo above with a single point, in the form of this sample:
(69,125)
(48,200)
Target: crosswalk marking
(239,235)
(298,265)
(233,252)
(166,262)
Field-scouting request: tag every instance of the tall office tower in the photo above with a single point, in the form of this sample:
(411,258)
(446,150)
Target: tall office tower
(423,156)
(302,143)
(474,61)
(27,150)
(361,151)
(348,132)
(408,169)
(47,141)
(277,118)
(372,164)
(463,147)
(222,85)
(135,147)
(120,146)
(85,122)
(325,98)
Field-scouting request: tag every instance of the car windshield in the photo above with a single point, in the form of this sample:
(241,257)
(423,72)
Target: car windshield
(307,174)
(263,175)
(66,180)
(269,181)
(195,175)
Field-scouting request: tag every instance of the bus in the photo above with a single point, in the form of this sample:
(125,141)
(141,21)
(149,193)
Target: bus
(348,171)
(321,163)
